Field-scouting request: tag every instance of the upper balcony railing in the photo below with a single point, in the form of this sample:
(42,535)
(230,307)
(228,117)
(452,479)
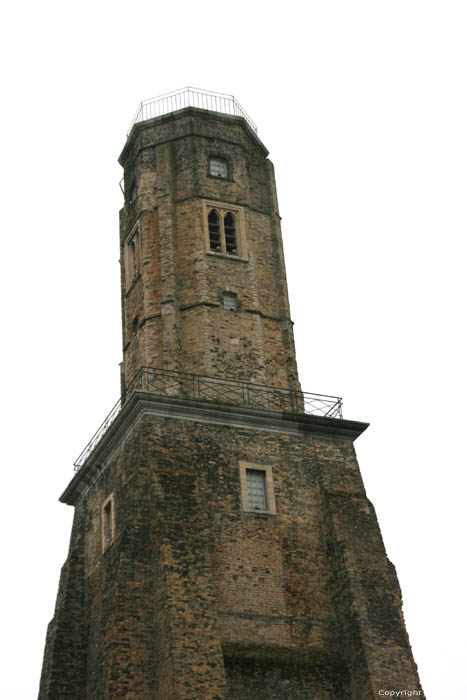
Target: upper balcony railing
(217,390)
(189,97)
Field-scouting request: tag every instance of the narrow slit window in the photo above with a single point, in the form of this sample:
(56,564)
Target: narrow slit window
(133,194)
(230,234)
(214,231)
(107,524)
(132,259)
(136,254)
(256,489)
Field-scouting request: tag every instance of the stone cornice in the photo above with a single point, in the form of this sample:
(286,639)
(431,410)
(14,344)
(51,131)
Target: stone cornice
(183,113)
(141,403)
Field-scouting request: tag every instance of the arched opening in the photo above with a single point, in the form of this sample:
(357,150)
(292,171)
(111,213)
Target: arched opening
(230,234)
(214,231)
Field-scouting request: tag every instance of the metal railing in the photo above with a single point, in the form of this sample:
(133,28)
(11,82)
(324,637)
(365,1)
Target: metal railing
(216,389)
(189,97)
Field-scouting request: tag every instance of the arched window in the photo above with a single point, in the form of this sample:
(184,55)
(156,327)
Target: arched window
(224,229)
(230,235)
(214,231)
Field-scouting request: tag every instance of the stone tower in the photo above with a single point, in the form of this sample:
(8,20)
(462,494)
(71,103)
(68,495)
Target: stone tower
(223,547)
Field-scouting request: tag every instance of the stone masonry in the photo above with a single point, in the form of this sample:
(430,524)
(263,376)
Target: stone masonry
(173,589)
(177,296)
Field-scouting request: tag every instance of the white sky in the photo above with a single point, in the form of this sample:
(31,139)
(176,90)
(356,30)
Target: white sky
(363,108)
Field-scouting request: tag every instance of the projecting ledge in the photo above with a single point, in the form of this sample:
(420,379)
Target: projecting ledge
(144,403)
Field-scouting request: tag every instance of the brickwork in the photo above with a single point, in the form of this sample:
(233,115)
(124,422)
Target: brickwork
(197,598)
(174,587)
(280,675)
(65,657)
(177,298)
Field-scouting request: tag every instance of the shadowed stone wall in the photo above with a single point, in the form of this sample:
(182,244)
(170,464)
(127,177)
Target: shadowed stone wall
(197,599)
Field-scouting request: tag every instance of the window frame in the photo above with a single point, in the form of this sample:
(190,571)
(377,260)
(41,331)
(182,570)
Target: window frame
(108,506)
(269,488)
(132,256)
(230,301)
(217,157)
(222,209)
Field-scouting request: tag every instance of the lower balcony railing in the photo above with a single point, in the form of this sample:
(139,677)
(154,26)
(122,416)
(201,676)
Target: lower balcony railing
(217,390)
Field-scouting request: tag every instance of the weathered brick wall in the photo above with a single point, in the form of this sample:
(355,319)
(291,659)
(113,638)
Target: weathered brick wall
(181,282)
(65,657)
(281,675)
(198,600)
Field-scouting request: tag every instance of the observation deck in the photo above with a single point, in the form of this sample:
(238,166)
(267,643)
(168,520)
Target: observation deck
(189,97)
(216,390)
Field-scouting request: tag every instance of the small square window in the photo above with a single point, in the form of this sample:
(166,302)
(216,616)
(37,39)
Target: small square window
(257,489)
(230,301)
(218,167)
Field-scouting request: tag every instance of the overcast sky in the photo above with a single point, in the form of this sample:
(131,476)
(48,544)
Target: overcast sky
(363,108)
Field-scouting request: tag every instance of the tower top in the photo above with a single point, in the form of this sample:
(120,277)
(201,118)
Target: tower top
(189,97)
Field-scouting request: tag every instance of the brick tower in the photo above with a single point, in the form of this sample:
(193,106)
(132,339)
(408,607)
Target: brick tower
(223,547)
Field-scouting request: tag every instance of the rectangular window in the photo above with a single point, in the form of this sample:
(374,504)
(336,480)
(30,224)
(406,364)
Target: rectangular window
(230,301)
(133,193)
(108,523)
(108,534)
(218,167)
(256,488)
(132,258)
